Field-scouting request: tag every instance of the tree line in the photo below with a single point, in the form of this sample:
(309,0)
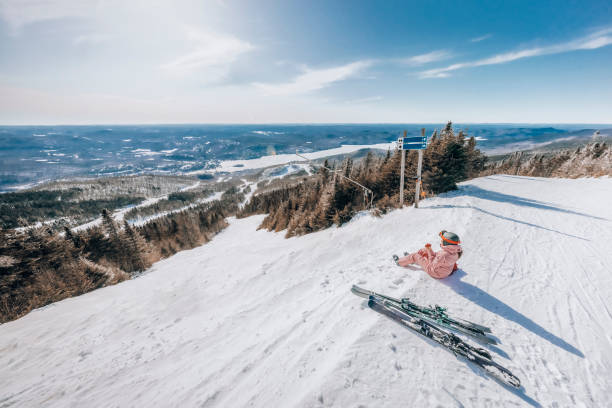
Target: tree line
(19,209)
(328,199)
(592,160)
(39,266)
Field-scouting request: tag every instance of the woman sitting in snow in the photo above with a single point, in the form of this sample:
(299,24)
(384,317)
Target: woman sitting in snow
(439,264)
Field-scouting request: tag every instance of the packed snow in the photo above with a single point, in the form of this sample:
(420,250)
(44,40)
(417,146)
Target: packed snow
(254,319)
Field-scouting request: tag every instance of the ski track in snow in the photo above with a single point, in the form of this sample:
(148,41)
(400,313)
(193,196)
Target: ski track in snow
(254,319)
(119,214)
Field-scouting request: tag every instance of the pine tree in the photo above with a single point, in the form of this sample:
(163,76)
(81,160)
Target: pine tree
(447,162)
(75,238)
(118,249)
(324,172)
(348,167)
(110,226)
(476,160)
(138,247)
(387,157)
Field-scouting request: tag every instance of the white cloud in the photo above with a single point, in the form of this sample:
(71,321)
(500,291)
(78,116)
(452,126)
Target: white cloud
(314,79)
(481,38)
(368,99)
(91,39)
(595,40)
(427,58)
(18,13)
(214,52)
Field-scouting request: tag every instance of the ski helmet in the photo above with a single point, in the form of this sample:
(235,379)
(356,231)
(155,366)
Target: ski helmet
(449,238)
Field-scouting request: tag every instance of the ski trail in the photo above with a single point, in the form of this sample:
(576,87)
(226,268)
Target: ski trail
(254,319)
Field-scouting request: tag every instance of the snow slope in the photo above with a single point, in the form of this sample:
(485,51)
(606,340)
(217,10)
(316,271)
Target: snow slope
(253,319)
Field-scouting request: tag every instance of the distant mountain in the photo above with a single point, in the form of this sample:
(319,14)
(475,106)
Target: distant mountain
(33,154)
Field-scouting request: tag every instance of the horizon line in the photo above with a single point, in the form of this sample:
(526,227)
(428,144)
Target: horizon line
(301,124)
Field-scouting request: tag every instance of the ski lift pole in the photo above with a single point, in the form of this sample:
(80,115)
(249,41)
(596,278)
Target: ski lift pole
(339,173)
(417,192)
(403,166)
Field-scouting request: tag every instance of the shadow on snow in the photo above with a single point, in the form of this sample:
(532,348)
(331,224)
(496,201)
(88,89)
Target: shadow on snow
(433,207)
(478,192)
(494,305)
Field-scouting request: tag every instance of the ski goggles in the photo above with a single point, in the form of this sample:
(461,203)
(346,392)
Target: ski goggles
(448,240)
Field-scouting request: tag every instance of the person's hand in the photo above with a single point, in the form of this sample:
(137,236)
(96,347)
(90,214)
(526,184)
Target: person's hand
(428,250)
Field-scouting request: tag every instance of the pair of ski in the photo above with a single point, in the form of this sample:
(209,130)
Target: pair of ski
(434,315)
(410,315)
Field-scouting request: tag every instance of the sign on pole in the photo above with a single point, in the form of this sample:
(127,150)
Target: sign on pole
(411,143)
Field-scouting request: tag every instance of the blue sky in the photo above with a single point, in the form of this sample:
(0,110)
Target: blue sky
(86,61)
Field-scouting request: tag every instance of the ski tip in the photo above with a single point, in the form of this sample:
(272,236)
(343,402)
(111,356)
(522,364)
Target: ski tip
(356,290)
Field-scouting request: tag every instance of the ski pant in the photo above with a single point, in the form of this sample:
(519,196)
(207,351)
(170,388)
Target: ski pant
(415,258)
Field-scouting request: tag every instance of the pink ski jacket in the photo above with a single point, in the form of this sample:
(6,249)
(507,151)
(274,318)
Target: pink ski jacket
(438,265)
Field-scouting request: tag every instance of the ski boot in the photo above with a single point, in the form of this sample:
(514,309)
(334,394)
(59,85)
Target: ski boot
(396,259)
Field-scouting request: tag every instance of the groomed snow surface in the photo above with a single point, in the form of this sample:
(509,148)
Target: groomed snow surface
(254,319)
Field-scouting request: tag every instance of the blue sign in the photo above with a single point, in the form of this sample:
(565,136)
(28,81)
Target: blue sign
(412,143)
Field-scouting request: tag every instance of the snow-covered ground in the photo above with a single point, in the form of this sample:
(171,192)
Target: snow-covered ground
(119,214)
(285,170)
(280,159)
(254,319)
(140,221)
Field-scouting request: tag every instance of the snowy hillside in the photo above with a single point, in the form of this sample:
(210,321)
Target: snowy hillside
(253,319)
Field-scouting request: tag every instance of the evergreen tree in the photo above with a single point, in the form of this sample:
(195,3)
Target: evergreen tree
(138,248)
(324,172)
(110,226)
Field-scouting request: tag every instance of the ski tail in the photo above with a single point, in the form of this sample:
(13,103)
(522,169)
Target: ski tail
(476,326)
(499,372)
